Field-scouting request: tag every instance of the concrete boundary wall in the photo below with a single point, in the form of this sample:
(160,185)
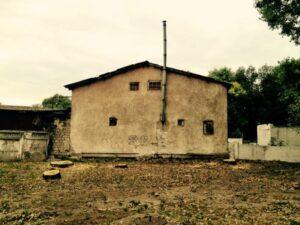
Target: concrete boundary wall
(268,134)
(267,153)
(23,145)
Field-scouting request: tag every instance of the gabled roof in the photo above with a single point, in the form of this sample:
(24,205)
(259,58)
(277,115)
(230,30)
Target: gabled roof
(125,69)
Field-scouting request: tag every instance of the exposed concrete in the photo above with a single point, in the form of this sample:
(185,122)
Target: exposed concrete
(139,130)
(267,153)
(21,145)
(267,134)
(232,145)
(273,144)
(235,140)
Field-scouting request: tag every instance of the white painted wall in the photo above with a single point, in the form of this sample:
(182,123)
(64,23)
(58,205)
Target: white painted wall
(267,153)
(267,134)
(264,134)
(235,140)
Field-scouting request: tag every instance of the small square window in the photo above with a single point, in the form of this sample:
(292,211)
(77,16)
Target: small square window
(208,127)
(113,121)
(154,85)
(180,122)
(134,86)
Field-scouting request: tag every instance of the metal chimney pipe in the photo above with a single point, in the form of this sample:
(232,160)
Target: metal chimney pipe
(164,76)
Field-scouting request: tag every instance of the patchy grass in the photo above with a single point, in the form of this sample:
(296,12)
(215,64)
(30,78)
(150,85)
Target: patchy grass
(168,192)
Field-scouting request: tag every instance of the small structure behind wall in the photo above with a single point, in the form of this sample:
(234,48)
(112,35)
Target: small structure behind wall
(25,132)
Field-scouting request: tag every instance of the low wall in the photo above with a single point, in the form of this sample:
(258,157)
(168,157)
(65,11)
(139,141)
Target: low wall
(267,153)
(21,145)
(268,134)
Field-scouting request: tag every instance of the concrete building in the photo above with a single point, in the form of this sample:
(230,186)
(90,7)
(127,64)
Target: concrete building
(118,113)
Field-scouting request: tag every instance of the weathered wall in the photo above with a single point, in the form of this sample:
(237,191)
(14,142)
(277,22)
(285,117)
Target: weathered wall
(17,145)
(10,145)
(267,153)
(267,134)
(138,112)
(61,137)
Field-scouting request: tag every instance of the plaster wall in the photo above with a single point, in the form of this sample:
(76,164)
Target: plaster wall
(139,131)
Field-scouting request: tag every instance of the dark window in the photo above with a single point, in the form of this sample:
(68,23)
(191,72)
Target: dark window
(113,121)
(134,86)
(208,127)
(180,122)
(154,85)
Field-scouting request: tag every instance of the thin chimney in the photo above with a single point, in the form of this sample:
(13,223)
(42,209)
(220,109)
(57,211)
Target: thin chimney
(164,76)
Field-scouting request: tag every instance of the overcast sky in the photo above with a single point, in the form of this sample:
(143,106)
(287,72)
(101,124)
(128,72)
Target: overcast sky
(45,44)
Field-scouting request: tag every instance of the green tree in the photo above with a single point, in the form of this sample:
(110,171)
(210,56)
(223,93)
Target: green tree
(270,94)
(280,92)
(283,15)
(57,102)
(236,93)
(222,74)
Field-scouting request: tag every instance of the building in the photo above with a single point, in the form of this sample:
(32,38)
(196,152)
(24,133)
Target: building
(118,113)
(33,133)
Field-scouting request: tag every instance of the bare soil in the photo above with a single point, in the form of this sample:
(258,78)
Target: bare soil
(167,192)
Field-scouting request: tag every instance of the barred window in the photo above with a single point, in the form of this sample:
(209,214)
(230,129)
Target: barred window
(134,86)
(208,127)
(154,85)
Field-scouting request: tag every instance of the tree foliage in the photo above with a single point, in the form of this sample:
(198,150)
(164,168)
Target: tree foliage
(283,15)
(270,94)
(57,102)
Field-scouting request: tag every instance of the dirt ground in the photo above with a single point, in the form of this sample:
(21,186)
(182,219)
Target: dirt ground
(169,192)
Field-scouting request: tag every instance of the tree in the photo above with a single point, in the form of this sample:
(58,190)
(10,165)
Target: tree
(283,15)
(222,74)
(280,91)
(236,120)
(57,101)
(270,94)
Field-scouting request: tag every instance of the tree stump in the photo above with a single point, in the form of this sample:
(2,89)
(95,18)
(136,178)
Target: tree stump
(61,164)
(51,174)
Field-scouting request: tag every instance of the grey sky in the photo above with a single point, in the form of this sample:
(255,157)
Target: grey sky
(45,44)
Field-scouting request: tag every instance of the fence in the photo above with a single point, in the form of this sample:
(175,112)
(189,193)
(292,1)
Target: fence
(23,145)
(267,153)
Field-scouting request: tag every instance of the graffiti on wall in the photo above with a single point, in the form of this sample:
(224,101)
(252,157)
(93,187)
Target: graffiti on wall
(138,140)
